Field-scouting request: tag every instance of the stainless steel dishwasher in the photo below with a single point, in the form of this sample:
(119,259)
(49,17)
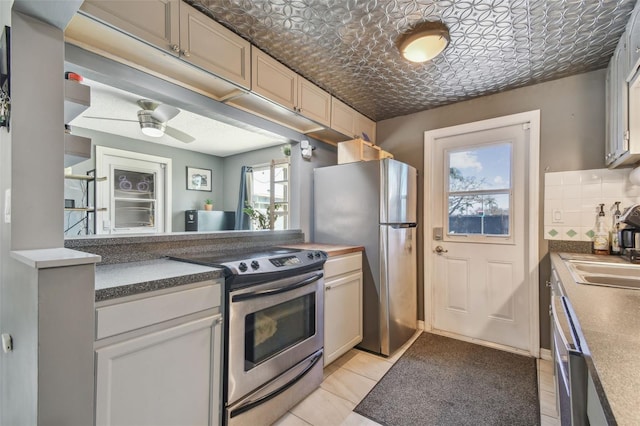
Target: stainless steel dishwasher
(569,365)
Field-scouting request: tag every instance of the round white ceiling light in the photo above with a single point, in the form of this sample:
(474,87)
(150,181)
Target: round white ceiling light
(424,41)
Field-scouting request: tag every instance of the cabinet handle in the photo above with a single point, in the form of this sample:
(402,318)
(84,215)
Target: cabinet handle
(175,48)
(548,283)
(185,53)
(637,49)
(327,288)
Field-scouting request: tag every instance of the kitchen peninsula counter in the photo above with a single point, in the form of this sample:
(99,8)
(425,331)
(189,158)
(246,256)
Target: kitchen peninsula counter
(125,279)
(609,319)
(332,250)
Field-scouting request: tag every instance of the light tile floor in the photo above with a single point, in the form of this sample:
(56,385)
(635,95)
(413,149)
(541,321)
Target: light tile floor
(350,378)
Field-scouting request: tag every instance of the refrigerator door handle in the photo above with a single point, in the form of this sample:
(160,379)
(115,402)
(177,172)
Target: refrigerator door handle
(403,225)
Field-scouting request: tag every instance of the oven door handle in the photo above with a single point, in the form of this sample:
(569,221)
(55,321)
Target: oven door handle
(273,291)
(261,400)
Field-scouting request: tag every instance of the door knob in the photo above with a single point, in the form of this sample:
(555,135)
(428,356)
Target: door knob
(440,250)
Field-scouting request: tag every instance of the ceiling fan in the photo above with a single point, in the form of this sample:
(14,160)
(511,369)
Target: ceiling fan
(153,118)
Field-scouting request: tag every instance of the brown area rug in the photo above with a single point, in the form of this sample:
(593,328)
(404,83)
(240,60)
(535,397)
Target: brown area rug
(443,381)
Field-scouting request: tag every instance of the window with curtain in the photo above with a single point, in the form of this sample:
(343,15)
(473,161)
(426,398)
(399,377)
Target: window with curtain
(271,188)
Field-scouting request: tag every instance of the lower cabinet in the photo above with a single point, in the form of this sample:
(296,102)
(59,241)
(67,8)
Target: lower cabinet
(164,374)
(342,305)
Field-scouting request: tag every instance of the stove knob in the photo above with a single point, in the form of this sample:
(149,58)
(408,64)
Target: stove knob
(310,255)
(318,254)
(255,264)
(242,266)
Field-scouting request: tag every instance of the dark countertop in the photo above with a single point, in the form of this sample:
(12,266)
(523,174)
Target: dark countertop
(332,250)
(125,279)
(609,319)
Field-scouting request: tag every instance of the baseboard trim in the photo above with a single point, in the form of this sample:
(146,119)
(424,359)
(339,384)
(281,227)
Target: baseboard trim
(420,325)
(545,354)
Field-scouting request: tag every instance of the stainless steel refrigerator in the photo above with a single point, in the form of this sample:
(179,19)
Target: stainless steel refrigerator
(373,204)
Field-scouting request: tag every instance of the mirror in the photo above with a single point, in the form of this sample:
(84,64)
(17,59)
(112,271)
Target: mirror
(196,144)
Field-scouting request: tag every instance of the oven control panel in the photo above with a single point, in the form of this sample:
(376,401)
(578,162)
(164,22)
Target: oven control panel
(285,261)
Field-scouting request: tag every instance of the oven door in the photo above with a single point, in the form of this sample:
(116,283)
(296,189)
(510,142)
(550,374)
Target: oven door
(272,327)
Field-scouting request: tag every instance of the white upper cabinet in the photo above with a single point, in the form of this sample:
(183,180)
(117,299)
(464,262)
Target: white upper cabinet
(365,126)
(350,122)
(633,48)
(617,114)
(209,45)
(162,31)
(283,86)
(154,21)
(343,119)
(313,102)
(273,80)
(623,98)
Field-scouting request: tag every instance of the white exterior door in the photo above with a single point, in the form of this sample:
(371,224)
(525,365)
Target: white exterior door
(136,194)
(478,241)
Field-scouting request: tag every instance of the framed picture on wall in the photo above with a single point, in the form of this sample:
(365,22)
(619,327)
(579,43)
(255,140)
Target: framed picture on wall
(198,179)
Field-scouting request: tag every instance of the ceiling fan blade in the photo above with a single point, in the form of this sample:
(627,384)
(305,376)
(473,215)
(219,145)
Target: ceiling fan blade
(110,118)
(164,113)
(178,134)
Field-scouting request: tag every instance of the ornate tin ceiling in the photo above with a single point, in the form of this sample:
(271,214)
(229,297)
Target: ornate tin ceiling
(348,46)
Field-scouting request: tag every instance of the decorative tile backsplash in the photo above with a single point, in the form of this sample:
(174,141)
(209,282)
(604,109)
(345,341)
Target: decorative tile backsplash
(571,201)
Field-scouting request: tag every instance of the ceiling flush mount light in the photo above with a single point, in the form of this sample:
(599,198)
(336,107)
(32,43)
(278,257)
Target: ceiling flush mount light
(424,41)
(149,125)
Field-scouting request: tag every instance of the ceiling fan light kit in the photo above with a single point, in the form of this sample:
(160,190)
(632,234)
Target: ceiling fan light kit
(149,125)
(424,41)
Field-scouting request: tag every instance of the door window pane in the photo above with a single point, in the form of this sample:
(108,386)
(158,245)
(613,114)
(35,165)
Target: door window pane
(479,214)
(478,169)
(479,190)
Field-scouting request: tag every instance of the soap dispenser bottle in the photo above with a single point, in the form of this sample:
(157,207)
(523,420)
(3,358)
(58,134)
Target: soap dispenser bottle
(614,236)
(601,237)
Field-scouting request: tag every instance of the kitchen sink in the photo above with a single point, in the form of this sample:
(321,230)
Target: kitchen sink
(605,274)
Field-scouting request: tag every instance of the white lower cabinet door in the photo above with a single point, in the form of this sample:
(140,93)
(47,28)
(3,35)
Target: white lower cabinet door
(167,377)
(342,315)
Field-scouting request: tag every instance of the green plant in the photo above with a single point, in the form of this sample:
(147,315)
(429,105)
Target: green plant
(260,220)
(208,201)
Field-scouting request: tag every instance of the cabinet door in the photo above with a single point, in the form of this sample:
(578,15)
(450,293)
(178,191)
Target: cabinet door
(366,126)
(343,118)
(633,48)
(610,119)
(212,47)
(622,97)
(154,21)
(342,315)
(617,103)
(169,377)
(313,102)
(273,80)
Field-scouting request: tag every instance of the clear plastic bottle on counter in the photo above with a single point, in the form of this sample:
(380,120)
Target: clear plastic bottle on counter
(601,237)
(614,236)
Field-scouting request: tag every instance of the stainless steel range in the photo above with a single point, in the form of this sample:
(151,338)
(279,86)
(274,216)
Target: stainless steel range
(274,331)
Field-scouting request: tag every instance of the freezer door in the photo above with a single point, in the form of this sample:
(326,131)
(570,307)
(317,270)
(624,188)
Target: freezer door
(398,192)
(398,286)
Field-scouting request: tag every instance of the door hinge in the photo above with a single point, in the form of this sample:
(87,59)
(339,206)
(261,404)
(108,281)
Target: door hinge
(526,126)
